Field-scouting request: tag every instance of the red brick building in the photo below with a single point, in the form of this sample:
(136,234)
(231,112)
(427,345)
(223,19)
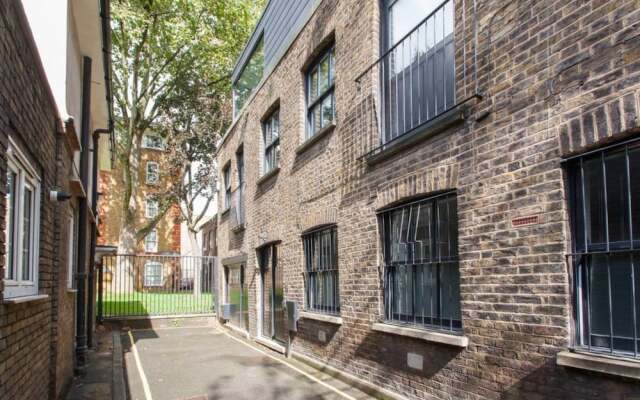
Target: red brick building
(446,191)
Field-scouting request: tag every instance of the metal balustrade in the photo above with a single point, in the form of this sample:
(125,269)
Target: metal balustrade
(154,285)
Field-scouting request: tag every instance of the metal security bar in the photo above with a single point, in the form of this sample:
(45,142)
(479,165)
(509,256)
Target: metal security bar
(420,272)
(322,291)
(152,285)
(605,217)
(415,81)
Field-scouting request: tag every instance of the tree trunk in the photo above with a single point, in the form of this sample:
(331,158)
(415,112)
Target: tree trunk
(124,277)
(196,253)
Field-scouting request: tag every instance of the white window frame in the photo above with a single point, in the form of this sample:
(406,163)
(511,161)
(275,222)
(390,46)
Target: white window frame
(148,209)
(72,249)
(148,145)
(149,175)
(151,246)
(26,177)
(154,264)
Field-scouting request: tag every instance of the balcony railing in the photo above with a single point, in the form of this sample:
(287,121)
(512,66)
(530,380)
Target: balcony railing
(414,82)
(237,208)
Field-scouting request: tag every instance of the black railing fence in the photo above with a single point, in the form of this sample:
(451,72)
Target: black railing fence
(155,285)
(412,83)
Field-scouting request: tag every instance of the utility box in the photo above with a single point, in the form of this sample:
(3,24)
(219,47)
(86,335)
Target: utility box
(292,316)
(227,311)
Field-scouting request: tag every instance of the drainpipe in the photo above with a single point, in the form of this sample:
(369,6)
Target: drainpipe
(81,275)
(94,234)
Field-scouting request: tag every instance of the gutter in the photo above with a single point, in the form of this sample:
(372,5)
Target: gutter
(105,15)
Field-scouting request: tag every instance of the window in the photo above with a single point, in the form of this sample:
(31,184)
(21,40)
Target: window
(72,250)
(320,98)
(153,172)
(152,142)
(227,186)
(271,141)
(249,78)
(151,241)
(152,273)
(151,209)
(605,216)
(22,225)
(418,69)
(420,254)
(322,292)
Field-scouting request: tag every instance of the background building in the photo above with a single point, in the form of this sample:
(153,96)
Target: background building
(165,237)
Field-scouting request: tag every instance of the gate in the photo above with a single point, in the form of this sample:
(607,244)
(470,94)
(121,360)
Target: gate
(155,285)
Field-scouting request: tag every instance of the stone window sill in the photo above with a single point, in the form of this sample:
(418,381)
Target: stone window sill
(315,138)
(427,336)
(331,319)
(271,344)
(25,299)
(600,363)
(268,176)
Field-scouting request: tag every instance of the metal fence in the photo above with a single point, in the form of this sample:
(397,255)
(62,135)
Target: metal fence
(414,82)
(155,285)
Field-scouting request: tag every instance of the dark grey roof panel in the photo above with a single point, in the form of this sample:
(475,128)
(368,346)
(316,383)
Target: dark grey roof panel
(281,21)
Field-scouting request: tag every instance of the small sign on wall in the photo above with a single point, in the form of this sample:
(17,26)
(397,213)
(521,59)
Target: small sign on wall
(525,221)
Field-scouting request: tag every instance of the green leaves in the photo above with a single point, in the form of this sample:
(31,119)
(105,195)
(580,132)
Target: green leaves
(171,65)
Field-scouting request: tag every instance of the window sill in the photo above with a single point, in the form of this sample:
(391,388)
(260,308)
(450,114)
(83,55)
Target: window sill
(315,138)
(331,319)
(238,228)
(271,344)
(600,363)
(427,336)
(268,176)
(422,132)
(25,299)
(72,291)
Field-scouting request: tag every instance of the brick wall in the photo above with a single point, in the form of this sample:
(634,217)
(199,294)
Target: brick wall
(557,78)
(35,337)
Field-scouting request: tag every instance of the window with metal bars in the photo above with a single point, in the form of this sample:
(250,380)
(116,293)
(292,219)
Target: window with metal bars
(419,241)
(604,204)
(322,291)
(271,142)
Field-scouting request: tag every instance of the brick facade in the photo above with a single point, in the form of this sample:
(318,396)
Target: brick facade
(557,78)
(36,337)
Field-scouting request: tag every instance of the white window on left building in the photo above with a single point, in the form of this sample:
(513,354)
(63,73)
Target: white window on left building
(22,227)
(151,241)
(152,273)
(151,209)
(153,172)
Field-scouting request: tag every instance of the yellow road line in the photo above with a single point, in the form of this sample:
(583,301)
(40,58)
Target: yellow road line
(293,367)
(143,377)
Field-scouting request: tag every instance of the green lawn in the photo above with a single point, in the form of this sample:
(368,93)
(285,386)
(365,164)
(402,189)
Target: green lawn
(140,304)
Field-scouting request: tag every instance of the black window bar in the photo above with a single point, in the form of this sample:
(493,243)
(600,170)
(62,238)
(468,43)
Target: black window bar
(421,273)
(322,292)
(605,218)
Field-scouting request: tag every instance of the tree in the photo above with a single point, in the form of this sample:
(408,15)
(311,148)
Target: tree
(171,65)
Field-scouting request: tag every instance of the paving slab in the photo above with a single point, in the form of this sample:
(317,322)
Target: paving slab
(208,364)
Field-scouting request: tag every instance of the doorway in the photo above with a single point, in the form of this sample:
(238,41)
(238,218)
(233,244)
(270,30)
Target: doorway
(237,295)
(272,295)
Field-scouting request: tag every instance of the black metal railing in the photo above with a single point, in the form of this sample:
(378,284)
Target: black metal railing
(322,291)
(604,204)
(237,208)
(425,294)
(141,285)
(412,83)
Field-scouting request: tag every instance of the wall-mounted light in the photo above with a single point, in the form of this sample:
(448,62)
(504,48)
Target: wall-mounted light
(55,195)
